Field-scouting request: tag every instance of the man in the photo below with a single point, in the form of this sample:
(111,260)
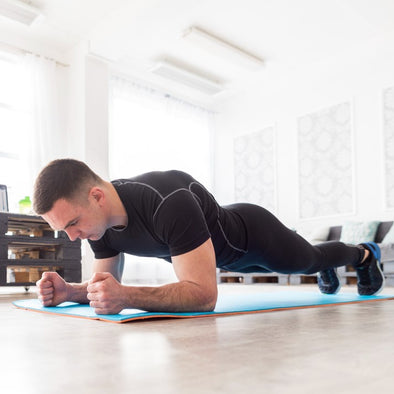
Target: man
(172,216)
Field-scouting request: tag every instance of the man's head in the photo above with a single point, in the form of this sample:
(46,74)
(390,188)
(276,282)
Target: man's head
(71,197)
(67,179)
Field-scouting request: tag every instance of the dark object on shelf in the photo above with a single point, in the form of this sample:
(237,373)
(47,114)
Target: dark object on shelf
(3,198)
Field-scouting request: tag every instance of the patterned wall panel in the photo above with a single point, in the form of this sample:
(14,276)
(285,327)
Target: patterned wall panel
(325,160)
(255,168)
(388,117)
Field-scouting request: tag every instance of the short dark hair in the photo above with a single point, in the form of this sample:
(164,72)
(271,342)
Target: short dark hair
(62,179)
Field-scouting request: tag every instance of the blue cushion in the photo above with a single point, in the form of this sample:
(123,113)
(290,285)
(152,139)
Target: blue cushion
(389,237)
(358,232)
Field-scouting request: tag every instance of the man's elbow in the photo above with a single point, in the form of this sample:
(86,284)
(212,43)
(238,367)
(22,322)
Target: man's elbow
(208,301)
(210,307)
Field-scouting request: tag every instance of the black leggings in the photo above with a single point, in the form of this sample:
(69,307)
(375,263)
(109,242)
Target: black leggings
(272,247)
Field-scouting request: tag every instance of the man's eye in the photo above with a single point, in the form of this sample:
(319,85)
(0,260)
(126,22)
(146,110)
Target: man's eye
(74,223)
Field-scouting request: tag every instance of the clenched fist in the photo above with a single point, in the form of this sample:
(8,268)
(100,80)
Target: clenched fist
(52,289)
(106,294)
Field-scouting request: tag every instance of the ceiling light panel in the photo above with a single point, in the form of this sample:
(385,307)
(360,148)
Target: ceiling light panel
(187,78)
(222,49)
(19,11)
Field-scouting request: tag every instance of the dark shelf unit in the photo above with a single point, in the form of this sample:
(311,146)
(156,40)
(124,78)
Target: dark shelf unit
(29,247)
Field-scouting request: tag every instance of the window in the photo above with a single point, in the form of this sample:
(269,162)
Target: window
(14,121)
(152,131)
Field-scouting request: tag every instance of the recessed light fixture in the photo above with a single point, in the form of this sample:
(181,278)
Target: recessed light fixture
(187,78)
(19,11)
(218,47)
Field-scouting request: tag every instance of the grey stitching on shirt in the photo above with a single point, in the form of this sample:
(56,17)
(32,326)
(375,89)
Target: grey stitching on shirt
(228,241)
(119,182)
(218,220)
(169,195)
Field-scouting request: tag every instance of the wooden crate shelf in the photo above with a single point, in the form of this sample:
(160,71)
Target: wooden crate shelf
(238,277)
(29,247)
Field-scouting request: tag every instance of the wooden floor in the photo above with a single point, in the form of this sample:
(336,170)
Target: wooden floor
(336,349)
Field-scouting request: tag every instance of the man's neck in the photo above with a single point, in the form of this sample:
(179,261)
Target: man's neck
(118,218)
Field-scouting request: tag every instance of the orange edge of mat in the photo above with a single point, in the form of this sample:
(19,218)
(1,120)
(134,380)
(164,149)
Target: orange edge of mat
(218,314)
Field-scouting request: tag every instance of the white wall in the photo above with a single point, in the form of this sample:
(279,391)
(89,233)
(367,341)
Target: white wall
(76,102)
(96,121)
(87,111)
(359,76)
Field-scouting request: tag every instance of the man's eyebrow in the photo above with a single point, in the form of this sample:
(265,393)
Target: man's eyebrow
(70,223)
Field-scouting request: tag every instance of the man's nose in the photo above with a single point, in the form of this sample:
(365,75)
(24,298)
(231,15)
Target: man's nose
(72,234)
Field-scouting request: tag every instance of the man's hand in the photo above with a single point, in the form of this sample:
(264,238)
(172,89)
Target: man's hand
(52,289)
(106,294)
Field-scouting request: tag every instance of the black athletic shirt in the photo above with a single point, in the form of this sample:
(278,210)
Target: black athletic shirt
(170,213)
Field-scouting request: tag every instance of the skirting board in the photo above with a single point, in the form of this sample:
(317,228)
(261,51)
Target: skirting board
(227,304)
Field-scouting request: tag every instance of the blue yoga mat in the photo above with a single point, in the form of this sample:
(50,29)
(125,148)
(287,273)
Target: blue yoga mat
(227,304)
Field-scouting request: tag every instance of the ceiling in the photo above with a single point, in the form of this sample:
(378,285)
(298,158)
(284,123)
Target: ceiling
(134,34)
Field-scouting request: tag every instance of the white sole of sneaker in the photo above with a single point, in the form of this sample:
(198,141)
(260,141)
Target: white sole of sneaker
(384,280)
(339,287)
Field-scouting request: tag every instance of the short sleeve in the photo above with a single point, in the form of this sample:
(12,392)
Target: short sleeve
(101,250)
(180,222)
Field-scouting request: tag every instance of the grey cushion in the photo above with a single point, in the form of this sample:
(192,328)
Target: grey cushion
(383,228)
(387,252)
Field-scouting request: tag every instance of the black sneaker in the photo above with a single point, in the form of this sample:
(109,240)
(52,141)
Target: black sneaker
(328,281)
(370,278)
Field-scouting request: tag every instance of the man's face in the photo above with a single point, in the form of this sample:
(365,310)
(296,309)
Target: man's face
(78,221)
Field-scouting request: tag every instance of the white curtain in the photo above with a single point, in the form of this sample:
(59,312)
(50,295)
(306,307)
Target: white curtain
(46,136)
(150,131)
(30,132)
(14,121)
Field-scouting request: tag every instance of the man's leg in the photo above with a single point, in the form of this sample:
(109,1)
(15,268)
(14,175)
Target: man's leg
(273,247)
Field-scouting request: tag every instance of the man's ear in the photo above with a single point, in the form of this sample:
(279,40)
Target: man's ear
(97,194)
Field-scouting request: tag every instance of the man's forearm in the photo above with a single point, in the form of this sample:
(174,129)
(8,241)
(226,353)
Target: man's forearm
(76,292)
(175,297)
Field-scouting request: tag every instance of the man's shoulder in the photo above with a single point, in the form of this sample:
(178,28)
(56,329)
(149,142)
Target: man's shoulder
(154,175)
(161,182)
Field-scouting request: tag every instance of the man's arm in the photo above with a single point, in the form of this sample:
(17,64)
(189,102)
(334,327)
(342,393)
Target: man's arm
(195,291)
(113,265)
